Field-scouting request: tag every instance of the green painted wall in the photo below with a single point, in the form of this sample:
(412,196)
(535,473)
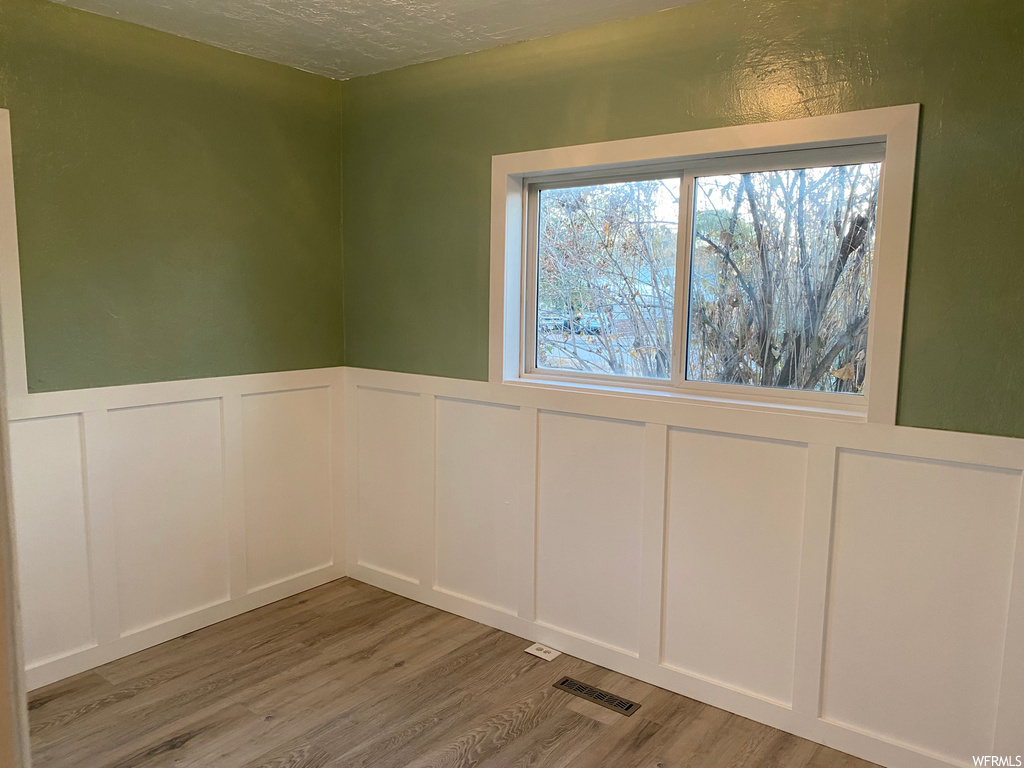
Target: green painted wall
(418,141)
(178,205)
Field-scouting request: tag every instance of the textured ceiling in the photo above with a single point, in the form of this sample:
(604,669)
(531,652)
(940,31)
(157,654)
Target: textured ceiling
(348,38)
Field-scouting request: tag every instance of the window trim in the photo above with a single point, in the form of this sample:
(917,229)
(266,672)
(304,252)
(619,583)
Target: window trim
(709,151)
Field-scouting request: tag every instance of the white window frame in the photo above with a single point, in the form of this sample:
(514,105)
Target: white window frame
(833,139)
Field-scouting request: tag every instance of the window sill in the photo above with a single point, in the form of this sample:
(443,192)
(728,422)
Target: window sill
(760,405)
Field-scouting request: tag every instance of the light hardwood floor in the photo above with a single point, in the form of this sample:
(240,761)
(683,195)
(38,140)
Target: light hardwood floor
(350,675)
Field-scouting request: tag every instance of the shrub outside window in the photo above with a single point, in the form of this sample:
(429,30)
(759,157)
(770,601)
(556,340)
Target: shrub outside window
(780,277)
(606,273)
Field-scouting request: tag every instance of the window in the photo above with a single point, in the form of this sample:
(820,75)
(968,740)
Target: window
(605,277)
(751,270)
(781,272)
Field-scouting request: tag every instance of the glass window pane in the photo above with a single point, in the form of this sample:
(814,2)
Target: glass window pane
(606,265)
(780,278)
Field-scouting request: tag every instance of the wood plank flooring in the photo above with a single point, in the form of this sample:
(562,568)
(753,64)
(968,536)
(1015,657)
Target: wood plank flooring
(349,675)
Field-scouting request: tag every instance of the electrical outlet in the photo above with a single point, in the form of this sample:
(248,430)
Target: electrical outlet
(543,652)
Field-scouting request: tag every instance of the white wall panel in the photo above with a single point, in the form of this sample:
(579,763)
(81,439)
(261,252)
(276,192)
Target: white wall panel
(390,472)
(922,558)
(692,547)
(663,540)
(50,526)
(167,492)
(477,501)
(732,564)
(130,507)
(589,513)
(286,455)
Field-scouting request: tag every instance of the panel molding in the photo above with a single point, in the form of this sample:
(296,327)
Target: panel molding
(732,559)
(922,562)
(815,557)
(823,440)
(526,572)
(590,499)
(474,510)
(100,526)
(57,606)
(428,488)
(92,408)
(167,488)
(652,557)
(389,474)
(287,484)
(1007,738)
(234,492)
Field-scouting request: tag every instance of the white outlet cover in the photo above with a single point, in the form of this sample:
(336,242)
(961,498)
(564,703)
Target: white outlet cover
(543,652)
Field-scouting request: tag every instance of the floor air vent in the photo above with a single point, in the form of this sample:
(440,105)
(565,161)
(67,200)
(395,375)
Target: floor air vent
(596,695)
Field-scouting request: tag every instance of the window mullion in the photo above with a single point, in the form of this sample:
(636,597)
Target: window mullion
(681,304)
(529,325)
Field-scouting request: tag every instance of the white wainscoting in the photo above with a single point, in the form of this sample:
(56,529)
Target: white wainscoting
(732,560)
(858,584)
(861,585)
(144,512)
(590,493)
